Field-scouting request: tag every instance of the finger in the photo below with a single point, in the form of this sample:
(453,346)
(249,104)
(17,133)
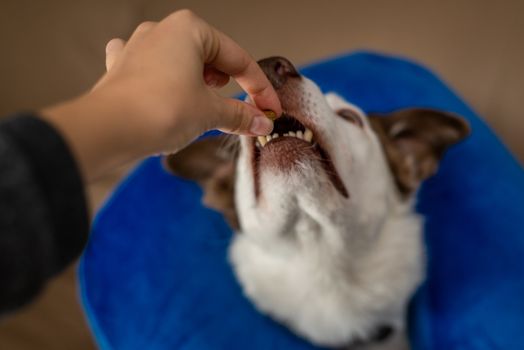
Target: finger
(143,28)
(113,49)
(238,117)
(115,46)
(215,78)
(227,56)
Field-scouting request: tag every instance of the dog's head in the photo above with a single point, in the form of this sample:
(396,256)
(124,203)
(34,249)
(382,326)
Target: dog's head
(325,160)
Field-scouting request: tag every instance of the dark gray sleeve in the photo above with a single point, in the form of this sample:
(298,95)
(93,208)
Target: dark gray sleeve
(44,221)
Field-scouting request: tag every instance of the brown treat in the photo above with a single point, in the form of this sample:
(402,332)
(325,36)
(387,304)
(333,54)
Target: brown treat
(270,114)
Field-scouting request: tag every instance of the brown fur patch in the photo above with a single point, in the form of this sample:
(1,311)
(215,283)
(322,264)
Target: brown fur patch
(414,140)
(211,163)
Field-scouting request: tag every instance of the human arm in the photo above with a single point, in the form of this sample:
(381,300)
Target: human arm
(158,95)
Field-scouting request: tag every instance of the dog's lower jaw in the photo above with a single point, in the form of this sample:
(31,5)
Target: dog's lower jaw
(333,299)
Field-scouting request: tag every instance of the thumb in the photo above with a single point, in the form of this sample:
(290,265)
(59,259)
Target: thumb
(113,49)
(237,117)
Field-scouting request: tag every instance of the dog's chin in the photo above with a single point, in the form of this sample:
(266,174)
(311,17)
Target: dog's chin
(287,155)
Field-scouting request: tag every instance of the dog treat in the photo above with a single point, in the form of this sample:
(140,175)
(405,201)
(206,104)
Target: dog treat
(270,114)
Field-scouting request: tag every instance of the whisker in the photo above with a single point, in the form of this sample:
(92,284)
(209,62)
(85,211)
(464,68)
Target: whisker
(229,145)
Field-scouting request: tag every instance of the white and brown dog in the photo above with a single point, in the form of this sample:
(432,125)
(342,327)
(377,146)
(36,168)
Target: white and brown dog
(328,241)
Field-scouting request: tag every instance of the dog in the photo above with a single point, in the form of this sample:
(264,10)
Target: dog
(327,242)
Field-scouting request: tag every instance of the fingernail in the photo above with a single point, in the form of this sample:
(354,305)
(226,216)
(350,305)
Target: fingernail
(110,46)
(261,125)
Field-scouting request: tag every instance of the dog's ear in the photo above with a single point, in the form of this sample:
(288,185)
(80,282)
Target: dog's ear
(414,141)
(211,163)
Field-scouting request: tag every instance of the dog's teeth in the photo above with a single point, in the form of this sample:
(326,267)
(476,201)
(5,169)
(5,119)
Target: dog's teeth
(308,135)
(262,140)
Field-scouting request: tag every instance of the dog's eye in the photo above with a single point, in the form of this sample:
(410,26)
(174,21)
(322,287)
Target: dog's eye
(351,116)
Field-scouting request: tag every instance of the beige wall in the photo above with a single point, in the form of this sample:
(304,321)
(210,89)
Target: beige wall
(54,49)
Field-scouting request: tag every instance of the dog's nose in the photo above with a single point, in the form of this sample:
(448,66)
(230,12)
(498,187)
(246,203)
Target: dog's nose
(278,70)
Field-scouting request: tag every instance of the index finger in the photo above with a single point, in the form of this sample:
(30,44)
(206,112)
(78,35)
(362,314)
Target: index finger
(227,56)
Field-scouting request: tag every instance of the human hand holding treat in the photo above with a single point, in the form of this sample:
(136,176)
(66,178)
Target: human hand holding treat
(159,94)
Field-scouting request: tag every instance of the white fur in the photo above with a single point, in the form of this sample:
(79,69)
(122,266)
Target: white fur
(331,268)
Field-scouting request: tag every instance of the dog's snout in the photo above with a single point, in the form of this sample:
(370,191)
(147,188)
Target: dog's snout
(278,70)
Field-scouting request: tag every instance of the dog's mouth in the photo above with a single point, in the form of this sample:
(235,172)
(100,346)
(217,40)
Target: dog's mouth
(286,126)
(291,143)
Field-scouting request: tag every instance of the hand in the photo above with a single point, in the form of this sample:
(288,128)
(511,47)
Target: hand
(159,94)
(174,65)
